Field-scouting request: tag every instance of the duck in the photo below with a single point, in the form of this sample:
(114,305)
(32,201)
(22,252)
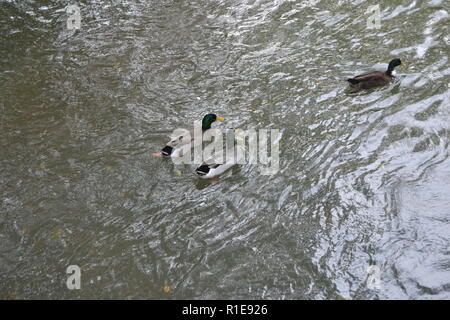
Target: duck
(183,137)
(212,168)
(375,79)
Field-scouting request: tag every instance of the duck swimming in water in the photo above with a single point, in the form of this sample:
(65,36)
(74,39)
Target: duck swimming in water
(182,138)
(375,79)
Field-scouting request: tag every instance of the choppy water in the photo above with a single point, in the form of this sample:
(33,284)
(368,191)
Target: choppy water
(364,179)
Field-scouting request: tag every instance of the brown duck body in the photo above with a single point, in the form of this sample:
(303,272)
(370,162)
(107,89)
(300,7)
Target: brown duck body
(375,79)
(370,80)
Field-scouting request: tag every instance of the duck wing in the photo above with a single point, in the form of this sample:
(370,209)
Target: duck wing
(370,79)
(180,137)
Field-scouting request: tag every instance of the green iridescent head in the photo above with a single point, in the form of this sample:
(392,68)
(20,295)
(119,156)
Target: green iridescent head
(209,119)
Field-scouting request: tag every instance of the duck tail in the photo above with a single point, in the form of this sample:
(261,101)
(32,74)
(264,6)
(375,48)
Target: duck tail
(353,81)
(167,151)
(202,170)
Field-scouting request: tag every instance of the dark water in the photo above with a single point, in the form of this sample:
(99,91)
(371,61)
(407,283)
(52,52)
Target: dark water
(363,180)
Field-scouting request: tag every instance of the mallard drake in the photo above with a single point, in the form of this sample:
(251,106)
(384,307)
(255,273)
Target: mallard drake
(374,79)
(183,137)
(212,168)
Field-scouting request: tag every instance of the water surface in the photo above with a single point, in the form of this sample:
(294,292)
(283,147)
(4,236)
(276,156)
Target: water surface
(363,180)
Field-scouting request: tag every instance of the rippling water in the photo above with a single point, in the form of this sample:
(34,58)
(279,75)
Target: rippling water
(363,180)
